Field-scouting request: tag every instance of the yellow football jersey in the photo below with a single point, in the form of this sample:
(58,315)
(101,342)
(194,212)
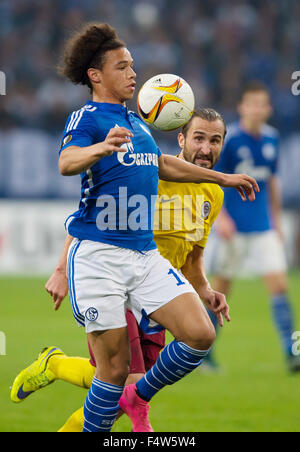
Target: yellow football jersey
(184,215)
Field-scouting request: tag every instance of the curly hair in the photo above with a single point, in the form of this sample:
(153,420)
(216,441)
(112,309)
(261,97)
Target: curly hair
(86,49)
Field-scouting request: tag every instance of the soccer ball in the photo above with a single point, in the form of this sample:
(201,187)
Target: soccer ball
(166,102)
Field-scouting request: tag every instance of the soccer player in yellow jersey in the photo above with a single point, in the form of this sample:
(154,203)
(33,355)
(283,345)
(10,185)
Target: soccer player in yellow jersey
(185,212)
(184,215)
(201,142)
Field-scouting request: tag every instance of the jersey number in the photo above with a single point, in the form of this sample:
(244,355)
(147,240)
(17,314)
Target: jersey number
(179,282)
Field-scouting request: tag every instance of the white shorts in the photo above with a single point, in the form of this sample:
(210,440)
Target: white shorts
(105,279)
(246,255)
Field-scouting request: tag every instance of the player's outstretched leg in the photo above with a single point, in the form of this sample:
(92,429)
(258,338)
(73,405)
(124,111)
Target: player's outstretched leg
(74,423)
(186,318)
(34,377)
(57,366)
(72,369)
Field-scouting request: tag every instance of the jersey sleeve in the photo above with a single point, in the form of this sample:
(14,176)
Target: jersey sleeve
(216,208)
(80,130)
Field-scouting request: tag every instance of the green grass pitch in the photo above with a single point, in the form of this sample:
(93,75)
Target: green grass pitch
(253,393)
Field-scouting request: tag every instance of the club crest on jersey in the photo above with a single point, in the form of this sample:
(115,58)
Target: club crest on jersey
(66,140)
(91,314)
(205,210)
(269,151)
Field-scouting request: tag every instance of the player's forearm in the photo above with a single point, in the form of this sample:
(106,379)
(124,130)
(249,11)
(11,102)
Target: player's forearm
(198,280)
(75,160)
(194,271)
(62,263)
(223,216)
(173,169)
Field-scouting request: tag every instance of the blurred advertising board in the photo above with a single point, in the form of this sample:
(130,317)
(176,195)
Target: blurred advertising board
(32,235)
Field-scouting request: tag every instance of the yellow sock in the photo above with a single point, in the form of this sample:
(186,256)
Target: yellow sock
(74,423)
(75,370)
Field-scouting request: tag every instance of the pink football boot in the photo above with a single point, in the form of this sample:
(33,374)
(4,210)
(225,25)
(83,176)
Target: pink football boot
(136,409)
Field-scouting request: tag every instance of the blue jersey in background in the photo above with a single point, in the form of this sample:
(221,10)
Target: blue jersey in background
(257,157)
(118,192)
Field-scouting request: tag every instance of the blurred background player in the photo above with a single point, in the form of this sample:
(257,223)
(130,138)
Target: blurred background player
(181,242)
(254,235)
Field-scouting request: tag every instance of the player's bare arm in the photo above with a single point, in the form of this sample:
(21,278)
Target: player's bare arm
(74,159)
(57,284)
(173,169)
(194,271)
(225,225)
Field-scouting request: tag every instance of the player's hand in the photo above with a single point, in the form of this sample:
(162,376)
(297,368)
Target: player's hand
(244,184)
(114,140)
(57,287)
(216,303)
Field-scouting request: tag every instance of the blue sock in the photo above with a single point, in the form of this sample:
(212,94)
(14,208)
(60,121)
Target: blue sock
(283,318)
(101,406)
(175,361)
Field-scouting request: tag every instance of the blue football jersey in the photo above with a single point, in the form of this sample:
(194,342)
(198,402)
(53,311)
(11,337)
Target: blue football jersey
(118,192)
(257,157)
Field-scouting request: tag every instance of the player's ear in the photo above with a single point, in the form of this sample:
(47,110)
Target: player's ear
(181,140)
(94,75)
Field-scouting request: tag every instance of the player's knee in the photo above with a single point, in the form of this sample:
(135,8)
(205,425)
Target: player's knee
(277,284)
(120,367)
(116,374)
(279,290)
(207,339)
(201,338)
(120,373)
(115,368)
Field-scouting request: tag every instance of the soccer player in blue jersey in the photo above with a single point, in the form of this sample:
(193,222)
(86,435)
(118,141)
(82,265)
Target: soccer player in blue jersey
(113,261)
(254,234)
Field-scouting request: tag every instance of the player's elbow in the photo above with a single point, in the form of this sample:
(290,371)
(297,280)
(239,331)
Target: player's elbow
(64,166)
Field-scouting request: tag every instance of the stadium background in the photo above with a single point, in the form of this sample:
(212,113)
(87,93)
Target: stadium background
(217,47)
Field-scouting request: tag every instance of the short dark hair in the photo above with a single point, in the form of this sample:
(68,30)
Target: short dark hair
(254,86)
(86,49)
(208,114)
